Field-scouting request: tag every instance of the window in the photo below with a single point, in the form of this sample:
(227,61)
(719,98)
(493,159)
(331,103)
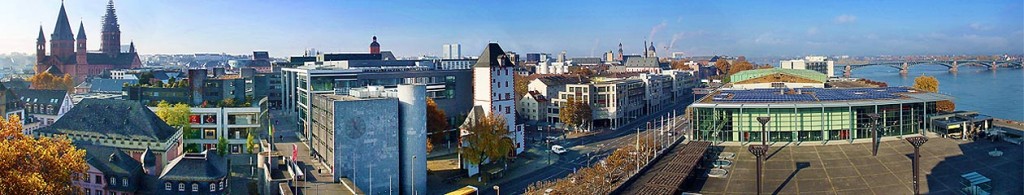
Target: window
(86,178)
(113,181)
(213,187)
(195,187)
(99,179)
(222,185)
(167,186)
(113,193)
(124,181)
(181,187)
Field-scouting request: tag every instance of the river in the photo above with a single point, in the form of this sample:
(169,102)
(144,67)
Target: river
(997,93)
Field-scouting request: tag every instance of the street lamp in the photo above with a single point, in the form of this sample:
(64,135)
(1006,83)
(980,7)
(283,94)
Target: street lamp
(764,134)
(874,133)
(497,190)
(759,151)
(917,141)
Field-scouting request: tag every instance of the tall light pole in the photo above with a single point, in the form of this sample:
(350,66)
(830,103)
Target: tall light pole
(497,190)
(764,133)
(760,150)
(874,133)
(917,141)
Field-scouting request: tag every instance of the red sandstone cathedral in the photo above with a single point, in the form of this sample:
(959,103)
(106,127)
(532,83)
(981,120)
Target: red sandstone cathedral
(69,55)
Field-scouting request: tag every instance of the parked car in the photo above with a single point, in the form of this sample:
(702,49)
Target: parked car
(557,149)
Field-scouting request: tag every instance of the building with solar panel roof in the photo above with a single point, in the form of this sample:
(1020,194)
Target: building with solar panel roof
(802,110)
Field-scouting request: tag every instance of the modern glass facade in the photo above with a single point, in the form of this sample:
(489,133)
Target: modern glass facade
(816,122)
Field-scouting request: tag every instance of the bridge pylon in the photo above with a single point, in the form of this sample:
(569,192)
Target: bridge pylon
(954,68)
(847,71)
(994,66)
(904,69)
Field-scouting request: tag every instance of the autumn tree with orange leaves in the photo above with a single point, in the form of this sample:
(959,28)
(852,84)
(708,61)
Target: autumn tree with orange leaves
(45,80)
(930,84)
(37,165)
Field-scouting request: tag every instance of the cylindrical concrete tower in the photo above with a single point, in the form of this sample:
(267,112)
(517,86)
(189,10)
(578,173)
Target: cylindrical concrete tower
(412,112)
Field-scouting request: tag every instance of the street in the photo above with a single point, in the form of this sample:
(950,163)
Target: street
(585,150)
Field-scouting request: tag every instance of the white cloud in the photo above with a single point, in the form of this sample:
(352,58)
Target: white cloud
(979,26)
(846,19)
(812,31)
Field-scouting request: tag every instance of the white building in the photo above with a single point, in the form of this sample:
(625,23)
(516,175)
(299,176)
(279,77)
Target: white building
(493,93)
(816,63)
(533,106)
(232,123)
(545,67)
(451,51)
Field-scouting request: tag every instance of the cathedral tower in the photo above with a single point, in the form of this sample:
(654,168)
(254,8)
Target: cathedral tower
(111,42)
(374,46)
(40,47)
(62,41)
(80,49)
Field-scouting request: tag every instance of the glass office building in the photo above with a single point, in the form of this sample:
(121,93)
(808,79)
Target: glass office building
(811,114)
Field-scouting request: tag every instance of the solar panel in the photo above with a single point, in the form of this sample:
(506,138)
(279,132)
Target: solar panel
(809,94)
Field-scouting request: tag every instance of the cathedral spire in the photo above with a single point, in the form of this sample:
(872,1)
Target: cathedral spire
(131,47)
(81,31)
(62,30)
(42,38)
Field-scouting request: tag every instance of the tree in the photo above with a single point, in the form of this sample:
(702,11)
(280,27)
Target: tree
(740,66)
(926,83)
(930,84)
(41,165)
(520,87)
(176,116)
(437,123)
(582,72)
(222,146)
(574,113)
(250,143)
(192,148)
(45,80)
(487,140)
(722,65)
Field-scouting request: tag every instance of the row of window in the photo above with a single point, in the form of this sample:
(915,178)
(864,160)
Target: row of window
(195,186)
(99,180)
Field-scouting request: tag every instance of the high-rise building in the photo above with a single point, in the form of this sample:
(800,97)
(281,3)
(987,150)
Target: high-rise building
(451,51)
(69,55)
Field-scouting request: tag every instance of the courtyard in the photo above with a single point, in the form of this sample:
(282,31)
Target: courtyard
(851,168)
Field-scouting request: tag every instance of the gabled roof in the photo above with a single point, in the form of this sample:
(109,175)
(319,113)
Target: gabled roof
(109,159)
(112,118)
(200,167)
(54,98)
(493,56)
(538,97)
(476,113)
(53,70)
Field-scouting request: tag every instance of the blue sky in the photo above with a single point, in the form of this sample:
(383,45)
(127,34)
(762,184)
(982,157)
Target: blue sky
(582,28)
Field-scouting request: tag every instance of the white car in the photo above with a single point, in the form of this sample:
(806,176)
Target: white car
(557,149)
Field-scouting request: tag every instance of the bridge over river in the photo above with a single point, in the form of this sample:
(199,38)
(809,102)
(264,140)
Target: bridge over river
(953,65)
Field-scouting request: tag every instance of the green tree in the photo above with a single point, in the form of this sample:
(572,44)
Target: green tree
(250,143)
(222,146)
(575,113)
(437,123)
(43,165)
(176,116)
(192,148)
(487,139)
(227,102)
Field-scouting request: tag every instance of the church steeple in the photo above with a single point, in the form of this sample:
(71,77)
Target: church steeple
(374,46)
(40,46)
(81,31)
(62,41)
(62,30)
(80,49)
(111,42)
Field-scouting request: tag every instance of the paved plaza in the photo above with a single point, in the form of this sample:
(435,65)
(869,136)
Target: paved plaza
(850,168)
